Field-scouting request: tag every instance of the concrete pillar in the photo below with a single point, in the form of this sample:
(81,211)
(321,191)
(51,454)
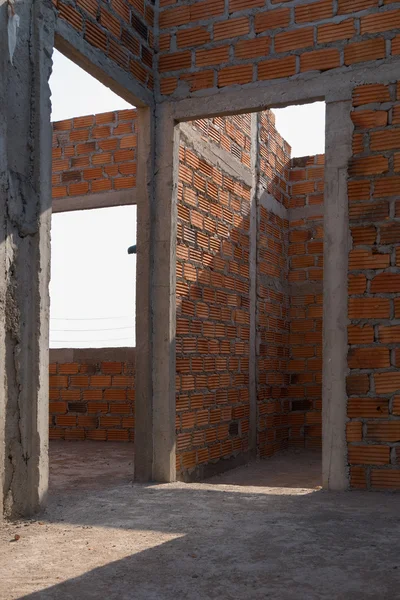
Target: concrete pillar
(338,151)
(155,437)
(25,214)
(255,172)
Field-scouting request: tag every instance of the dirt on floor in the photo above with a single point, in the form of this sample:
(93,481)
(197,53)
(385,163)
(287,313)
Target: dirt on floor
(262,531)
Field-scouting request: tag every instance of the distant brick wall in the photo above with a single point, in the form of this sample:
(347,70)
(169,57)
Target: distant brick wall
(213,320)
(305,278)
(215,44)
(93,396)
(373,430)
(272,324)
(122,30)
(95,153)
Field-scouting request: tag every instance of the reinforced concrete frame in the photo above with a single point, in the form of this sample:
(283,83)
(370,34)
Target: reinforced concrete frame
(25,205)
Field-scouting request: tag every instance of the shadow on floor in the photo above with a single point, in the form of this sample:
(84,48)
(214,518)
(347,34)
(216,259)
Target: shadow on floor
(205,541)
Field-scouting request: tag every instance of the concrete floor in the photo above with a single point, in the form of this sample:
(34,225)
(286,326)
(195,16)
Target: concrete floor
(237,536)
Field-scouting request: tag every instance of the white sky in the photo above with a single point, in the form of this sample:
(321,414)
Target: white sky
(92,288)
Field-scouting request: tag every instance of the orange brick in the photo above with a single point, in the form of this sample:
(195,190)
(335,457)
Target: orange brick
(369,455)
(367,408)
(369,358)
(320,60)
(317,11)
(352,6)
(354,431)
(367,259)
(239,74)
(358,478)
(231,28)
(371,93)
(252,48)
(360,335)
(205,58)
(389,335)
(271,19)
(385,431)
(175,61)
(387,383)
(388,283)
(332,32)
(291,40)
(385,479)
(371,165)
(367,119)
(376,23)
(195,36)
(364,51)
(369,308)
(277,68)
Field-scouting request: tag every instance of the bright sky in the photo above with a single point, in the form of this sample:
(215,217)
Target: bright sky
(92,288)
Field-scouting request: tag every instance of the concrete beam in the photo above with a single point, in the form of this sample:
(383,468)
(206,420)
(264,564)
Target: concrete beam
(93,355)
(333,85)
(25,215)
(71,43)
(100,200)
(338,151)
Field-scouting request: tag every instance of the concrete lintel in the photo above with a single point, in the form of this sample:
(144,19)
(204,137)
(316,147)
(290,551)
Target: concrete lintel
(272,205)
(334,85)
(215,155)
(71,43)
(92,355)
(338,151)
(100,200)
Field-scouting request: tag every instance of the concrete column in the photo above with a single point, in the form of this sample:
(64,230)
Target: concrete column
(338,151)
(25,215)
(156,302)
(255,172)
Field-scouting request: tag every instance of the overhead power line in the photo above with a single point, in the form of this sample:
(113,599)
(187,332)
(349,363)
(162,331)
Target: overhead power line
(89,318)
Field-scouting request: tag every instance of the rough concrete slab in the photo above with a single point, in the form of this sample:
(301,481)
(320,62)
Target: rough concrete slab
(227,538)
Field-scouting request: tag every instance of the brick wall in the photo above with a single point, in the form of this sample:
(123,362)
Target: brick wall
(213,320)
(92,394)
(95,153)
(230,133)
(373,430)
(213,44)
(122,30)
(272,324)
(305,279)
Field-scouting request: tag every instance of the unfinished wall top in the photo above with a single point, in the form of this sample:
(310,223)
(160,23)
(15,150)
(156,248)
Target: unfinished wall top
(213,44)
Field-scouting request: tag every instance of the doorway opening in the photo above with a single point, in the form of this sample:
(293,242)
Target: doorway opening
(93,279)
(249,294)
